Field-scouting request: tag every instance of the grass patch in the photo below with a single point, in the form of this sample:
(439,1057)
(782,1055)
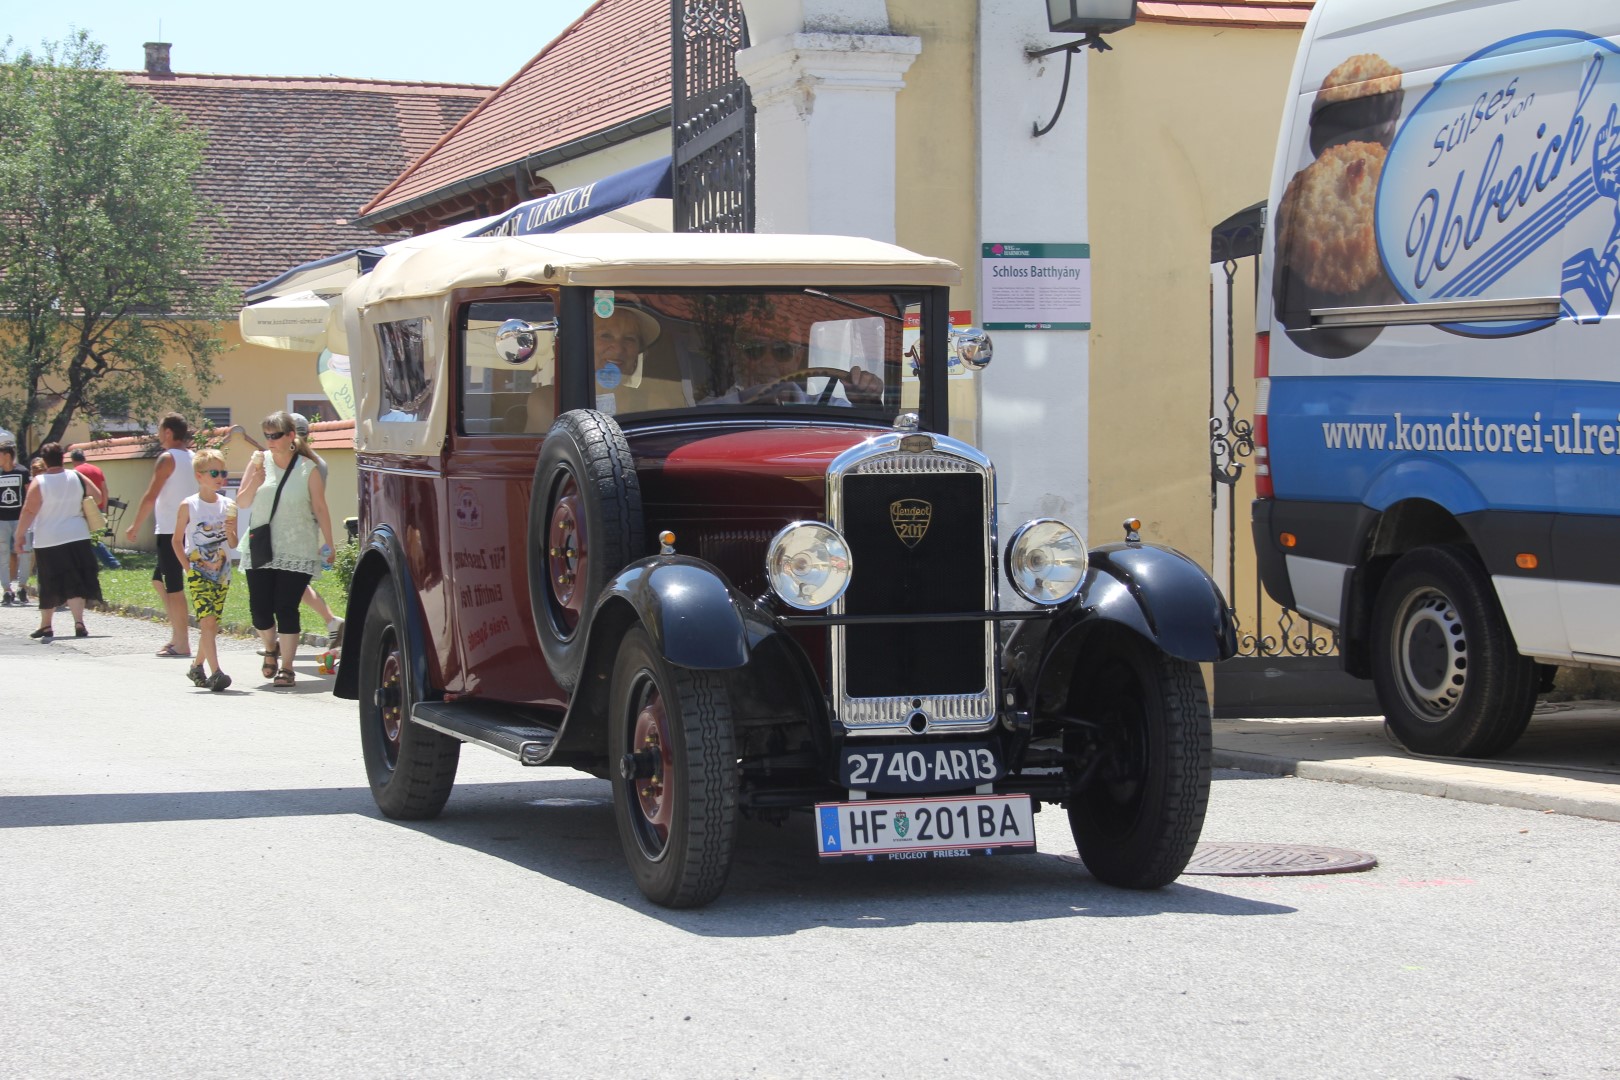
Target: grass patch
(131,587)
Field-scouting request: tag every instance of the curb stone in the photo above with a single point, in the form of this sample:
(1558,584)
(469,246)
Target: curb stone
(134,611)
(1390,780)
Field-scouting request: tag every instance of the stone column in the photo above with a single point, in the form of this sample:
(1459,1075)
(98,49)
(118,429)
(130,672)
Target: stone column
(824,130)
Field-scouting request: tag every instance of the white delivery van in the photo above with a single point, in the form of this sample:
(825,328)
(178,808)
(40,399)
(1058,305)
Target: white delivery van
(1439,452)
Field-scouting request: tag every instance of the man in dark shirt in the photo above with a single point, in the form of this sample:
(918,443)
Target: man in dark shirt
(13,487)
(99,478)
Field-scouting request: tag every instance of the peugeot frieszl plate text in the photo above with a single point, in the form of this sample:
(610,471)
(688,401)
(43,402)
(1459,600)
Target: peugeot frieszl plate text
(940,828)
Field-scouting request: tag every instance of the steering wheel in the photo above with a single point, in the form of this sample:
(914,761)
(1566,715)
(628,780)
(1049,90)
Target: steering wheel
(833,375)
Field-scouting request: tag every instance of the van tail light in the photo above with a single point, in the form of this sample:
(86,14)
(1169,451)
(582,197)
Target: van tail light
(1262,405)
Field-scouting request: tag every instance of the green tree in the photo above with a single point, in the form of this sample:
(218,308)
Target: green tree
(102,235)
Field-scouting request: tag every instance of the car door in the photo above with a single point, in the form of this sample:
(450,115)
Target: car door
(502,411)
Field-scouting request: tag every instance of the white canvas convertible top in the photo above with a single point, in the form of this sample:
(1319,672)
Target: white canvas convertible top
(416,284)
(647,259)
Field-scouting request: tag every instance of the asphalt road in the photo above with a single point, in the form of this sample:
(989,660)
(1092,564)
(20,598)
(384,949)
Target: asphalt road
(196,884)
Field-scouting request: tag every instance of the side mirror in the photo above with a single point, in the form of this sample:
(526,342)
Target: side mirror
(524,345)
(972,347)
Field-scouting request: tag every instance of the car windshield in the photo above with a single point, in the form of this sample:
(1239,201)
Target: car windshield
(802,349)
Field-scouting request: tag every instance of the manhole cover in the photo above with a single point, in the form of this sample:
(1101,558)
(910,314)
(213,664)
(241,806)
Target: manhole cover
(1273,860)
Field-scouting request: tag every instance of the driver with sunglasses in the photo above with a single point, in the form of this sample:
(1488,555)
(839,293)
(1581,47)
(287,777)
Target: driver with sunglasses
(768,370)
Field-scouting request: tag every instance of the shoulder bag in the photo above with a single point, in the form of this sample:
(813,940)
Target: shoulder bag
(91,512)
(259,546)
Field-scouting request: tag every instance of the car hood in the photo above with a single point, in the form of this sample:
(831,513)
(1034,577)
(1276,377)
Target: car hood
(767,466)
(725,490)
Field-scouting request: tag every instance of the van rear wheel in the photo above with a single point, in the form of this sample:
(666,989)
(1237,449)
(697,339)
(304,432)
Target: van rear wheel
(1449,676)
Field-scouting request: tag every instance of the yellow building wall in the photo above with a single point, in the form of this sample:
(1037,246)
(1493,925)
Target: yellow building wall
(1183,123)
(936,183)
(253,382)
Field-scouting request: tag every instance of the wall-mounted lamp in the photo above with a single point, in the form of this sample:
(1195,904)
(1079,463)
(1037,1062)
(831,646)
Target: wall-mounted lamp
(1093,18)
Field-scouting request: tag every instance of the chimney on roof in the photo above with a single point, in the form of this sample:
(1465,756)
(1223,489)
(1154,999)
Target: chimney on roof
(157,58)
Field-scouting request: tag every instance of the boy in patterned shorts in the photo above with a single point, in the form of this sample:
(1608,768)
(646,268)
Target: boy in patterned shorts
(204,533)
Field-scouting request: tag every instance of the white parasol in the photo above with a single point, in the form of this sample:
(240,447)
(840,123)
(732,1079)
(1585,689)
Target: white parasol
(298,322)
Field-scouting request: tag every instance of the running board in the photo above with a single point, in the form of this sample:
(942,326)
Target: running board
(520,734)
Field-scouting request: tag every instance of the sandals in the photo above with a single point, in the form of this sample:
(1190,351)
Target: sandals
(80,630)
(272,660)
(218,681)
(197,675)
(284,677)
(44,633)
(167,652)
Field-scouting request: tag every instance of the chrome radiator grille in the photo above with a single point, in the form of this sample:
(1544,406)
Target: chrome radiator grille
(921,538)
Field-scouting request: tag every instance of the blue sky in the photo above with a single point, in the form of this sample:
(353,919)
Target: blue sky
(411,40)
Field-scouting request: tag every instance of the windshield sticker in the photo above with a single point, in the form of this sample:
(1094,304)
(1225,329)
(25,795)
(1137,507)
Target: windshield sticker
(469,515)
(608,376)
(604,303)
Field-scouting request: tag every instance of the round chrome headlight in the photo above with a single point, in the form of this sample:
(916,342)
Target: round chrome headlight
(808,565)
(1046,561)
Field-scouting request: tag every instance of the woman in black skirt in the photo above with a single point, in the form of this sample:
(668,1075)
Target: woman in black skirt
(63,556)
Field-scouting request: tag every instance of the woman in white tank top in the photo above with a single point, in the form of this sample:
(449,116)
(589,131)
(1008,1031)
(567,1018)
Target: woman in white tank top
(63,555)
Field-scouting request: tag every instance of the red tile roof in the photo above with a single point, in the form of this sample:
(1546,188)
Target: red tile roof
(612,66)
(332,434)
(323,435)
(1270,14)
(119,449)
(289,158)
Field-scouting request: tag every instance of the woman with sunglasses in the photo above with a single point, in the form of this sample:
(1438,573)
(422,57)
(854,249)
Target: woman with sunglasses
(300,536)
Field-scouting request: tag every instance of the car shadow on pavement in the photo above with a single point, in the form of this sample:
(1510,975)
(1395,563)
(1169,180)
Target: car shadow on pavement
(563,828)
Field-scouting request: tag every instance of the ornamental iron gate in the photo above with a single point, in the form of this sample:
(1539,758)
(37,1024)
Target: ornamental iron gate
(713,118)
(1286,664)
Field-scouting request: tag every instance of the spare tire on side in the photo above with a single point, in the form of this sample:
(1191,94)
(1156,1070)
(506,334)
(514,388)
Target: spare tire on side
(585,525)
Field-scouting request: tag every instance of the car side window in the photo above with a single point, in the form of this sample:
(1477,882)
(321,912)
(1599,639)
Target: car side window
(406,383)
(500,396)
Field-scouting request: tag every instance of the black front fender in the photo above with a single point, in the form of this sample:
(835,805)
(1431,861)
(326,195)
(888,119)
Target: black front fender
(1156,591)
(691,612)
(1162,595)
(695,620)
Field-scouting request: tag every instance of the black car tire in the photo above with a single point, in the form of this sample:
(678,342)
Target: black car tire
(585,525)
(1138,816)
(678,825)
(411,768)
(1449,676)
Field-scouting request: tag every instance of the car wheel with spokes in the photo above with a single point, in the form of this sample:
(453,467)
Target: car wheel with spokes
(675,776)
(411,768)
(1143,749)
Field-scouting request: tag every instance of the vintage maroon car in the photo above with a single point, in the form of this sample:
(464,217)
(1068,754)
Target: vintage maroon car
(681,511)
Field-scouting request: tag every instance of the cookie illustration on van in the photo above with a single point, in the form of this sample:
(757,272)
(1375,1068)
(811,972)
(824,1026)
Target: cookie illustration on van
(1327,246)
(1325,223)
(1359,101)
